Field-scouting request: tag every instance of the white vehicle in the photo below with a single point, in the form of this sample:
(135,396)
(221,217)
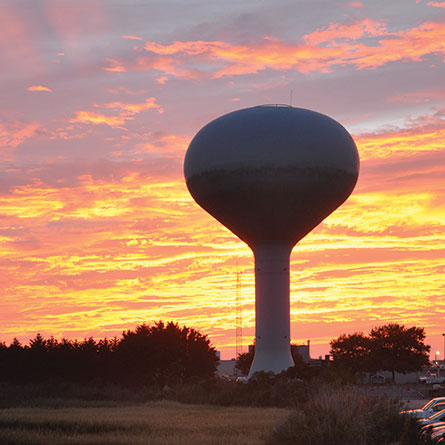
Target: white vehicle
(438,417)
(241,379)
(433,406)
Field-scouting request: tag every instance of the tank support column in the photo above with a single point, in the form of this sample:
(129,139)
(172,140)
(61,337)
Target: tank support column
(272,308)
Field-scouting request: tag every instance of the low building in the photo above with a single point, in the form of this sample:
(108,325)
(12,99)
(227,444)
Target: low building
(227,367)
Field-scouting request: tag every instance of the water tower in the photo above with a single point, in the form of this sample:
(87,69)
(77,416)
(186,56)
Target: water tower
(271,174)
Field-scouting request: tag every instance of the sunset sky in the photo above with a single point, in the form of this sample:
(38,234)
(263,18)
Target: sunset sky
(99,101)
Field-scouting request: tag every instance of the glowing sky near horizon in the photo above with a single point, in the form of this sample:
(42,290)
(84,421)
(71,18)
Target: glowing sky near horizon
(99,100)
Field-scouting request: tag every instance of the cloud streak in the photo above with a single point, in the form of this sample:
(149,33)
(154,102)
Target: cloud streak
(322,50)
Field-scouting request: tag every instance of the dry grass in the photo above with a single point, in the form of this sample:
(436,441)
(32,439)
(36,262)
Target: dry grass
(162,422)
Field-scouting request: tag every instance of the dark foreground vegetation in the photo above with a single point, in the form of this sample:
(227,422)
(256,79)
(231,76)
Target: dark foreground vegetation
(312,413)
(153,423)
(343,416)
(265,390)
(161,354)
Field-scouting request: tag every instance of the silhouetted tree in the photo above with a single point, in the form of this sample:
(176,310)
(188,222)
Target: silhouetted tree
(16,361)
(165,354)
(398,349)
(351,352)
(244,362)
(36,359)
(387,348)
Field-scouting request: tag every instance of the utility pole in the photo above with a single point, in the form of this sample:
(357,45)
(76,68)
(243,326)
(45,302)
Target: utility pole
(443,345)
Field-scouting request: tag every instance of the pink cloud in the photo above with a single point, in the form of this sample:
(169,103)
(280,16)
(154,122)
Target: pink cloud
(418,96)
(349,31)
(165,144)
(129,37)
(13,133)
(18,28)
(437,4)
(356,4)
(125,90)
(73,21)
(115,66)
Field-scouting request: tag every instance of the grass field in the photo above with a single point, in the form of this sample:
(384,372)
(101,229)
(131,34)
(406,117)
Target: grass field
(162,422)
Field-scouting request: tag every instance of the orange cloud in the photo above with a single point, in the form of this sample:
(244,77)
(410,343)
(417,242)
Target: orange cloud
(423,134)
(409,45)
(97,118)
(321,50)
(127,112)
(39,88)
(136,251)
(131,109)
(12,134)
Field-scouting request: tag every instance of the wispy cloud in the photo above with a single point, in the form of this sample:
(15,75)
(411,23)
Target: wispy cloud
(13,133)
(419,96)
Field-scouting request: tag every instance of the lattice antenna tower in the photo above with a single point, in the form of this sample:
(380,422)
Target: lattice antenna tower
(239,316)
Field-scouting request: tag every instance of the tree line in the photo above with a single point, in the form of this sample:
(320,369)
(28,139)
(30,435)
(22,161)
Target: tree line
(391,347)
(168,354)
(160,354)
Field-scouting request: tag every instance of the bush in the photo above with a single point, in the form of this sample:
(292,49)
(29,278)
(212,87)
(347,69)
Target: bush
(344,416)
